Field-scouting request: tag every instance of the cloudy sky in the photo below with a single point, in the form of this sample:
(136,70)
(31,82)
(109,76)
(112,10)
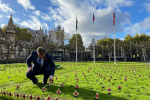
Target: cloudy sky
(132,16)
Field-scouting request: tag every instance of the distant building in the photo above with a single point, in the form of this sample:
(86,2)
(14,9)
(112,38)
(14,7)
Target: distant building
(38,36)
(41,36)
(91,45)
(104,38)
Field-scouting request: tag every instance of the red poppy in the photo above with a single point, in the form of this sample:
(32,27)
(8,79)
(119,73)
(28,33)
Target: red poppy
(45,58)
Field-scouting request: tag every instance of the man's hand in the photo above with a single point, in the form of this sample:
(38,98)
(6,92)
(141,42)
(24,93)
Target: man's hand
(50,79)
(29,69)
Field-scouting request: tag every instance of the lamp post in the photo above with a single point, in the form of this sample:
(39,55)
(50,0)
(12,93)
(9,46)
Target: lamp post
(118,49)
(102,49)
(122,51)
(137,48)
(130,49)
(1,53)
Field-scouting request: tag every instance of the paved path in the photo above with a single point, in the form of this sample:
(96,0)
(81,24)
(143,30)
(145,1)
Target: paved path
(147,62)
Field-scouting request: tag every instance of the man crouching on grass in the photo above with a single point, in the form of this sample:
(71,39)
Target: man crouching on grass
(43,64)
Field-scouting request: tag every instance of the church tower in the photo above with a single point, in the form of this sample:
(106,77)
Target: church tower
(10,30)
(10,34)
(45,31)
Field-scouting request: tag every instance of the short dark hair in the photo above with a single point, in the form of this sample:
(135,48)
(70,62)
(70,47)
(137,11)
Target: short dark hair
(41,50)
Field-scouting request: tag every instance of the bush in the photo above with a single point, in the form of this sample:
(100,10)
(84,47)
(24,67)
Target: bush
(12,61)
(2,62)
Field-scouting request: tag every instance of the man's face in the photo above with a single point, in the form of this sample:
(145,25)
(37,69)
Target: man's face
(41,55)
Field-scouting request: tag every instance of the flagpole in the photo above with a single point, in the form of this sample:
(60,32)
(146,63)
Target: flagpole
(76,40)
(114,47)
(93,43)
(93,40)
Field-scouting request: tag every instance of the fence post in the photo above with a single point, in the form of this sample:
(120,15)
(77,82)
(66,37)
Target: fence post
(14,94)
(1,92)
(10,95)
(7,94)
(24,96)
(42,97)
(17,95)
(31,96)
(57,97)
(21,95)
(61,98)
(34,97)
(48,98)
(53,98)
(28,96)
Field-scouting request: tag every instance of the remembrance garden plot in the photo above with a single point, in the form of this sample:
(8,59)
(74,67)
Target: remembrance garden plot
(81,81)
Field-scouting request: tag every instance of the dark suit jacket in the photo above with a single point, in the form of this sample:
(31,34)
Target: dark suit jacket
(48,61)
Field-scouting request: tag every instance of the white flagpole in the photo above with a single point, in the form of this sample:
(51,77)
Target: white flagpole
(114,47)
(93,42)
(76,40)
(94,46)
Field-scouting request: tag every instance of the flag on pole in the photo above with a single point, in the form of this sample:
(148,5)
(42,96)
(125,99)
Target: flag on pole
(93,18)
(114,18)
(76,22)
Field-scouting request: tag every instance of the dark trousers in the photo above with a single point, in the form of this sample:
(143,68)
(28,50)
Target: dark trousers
(31,74)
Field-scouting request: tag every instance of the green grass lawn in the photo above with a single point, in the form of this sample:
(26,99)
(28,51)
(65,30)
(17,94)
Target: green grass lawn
(135,88)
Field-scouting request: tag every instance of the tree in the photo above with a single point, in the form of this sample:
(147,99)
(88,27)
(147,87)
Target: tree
(109,48)
(4,29)
(128,39)
(81,50)
(21,33)
(64,47)
(50,47)
(72,41)
(19,44)
(69,48)
(28,48)
(126,50)
(143,47)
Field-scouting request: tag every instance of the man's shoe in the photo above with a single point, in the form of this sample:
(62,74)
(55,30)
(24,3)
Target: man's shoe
(44,83)
(35,82)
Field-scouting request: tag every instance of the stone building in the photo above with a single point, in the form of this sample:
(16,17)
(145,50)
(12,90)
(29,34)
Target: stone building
(89,48)
(41,36)
(91,45)
(38,36)
(10,35)
(2,36)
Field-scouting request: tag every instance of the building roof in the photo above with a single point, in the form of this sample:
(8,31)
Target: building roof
(10,26)
(91,44)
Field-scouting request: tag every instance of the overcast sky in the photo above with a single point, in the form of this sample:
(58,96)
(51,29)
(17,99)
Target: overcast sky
(132,16)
